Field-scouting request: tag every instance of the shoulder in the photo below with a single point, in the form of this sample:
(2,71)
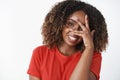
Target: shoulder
(44,48)
(41,48)
(96,64)
(97,56)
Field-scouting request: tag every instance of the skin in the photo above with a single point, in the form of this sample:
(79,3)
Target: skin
(33,78)
(72,35)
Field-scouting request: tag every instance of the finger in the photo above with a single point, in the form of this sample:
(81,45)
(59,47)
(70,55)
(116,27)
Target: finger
(92,33)
(82,26)
(87,22)
(78,33)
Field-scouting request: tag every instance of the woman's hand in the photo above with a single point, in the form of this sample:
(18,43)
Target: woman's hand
(82,69)
(86,34)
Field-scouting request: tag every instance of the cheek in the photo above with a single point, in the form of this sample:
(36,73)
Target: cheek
(65,31)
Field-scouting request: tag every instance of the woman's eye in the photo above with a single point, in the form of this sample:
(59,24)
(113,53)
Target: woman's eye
(70,24)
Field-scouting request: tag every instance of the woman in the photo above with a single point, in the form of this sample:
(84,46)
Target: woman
(74,35)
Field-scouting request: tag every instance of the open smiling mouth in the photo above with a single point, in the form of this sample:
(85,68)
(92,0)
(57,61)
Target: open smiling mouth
(73,38)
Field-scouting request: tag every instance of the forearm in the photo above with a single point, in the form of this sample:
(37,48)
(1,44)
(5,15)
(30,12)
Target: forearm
(33,78)
(82,69)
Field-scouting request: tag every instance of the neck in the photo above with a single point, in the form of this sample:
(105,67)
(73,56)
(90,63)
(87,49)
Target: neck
(67,50)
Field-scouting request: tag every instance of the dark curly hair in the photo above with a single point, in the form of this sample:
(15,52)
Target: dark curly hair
(56,19)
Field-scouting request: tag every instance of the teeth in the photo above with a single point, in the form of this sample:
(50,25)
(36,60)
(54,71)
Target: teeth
(72,38)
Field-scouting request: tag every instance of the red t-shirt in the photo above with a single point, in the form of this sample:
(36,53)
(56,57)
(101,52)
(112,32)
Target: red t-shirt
(50,64)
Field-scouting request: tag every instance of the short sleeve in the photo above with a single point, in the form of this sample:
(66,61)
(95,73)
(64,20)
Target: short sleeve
(35,63)
(96,64)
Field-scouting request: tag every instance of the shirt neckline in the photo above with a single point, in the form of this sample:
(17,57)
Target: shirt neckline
(78,53)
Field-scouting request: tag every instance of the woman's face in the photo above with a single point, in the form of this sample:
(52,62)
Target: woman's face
(72,25)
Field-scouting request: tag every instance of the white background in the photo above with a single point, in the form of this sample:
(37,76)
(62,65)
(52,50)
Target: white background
(20,22)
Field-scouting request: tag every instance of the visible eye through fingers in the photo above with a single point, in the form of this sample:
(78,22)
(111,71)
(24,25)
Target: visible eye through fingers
(78,25)
(75,25)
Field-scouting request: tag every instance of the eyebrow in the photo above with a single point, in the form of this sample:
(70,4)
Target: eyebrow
(75,21)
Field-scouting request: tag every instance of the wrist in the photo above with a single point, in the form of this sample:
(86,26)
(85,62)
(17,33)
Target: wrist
(90,48)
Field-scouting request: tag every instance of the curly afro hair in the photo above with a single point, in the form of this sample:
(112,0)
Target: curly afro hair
(56,19)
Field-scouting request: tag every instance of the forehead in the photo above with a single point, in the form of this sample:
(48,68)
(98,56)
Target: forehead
(78,16)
